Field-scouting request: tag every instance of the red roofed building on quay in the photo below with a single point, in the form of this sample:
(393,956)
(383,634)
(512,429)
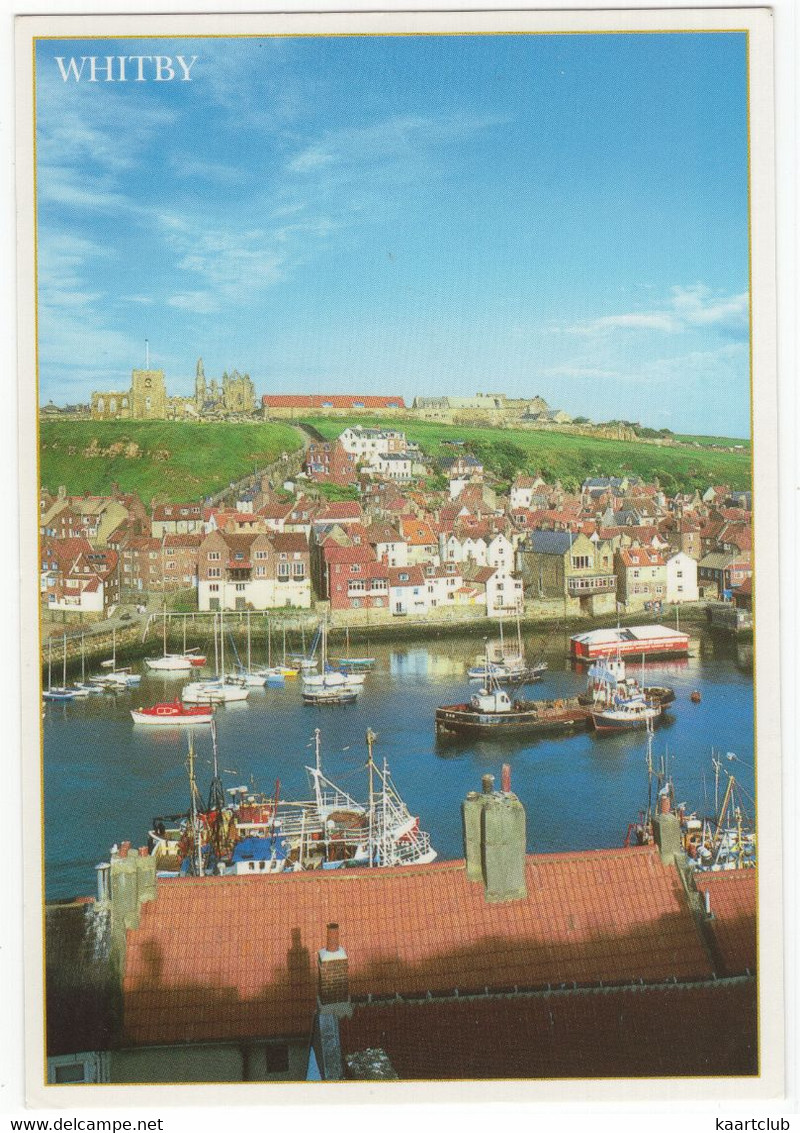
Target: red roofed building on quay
(500,965)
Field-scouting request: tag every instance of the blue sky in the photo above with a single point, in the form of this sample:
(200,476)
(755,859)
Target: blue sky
(553,215)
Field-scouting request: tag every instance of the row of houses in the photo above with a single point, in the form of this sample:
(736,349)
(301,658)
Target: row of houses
(403,548)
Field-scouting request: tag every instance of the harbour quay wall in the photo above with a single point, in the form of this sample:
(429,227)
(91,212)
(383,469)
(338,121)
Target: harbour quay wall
(143,638)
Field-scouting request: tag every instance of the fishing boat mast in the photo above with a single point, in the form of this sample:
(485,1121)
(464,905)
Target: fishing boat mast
(194,819)
(371,737)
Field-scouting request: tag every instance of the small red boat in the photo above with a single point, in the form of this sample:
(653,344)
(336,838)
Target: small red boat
(173,713)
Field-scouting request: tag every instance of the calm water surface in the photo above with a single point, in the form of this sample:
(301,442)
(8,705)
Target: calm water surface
(105,778)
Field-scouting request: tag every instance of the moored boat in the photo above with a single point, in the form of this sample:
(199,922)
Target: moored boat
(219,691)
(624,714)
(260,835)
(491,711)
(722,841)
(173,714)
(608,679)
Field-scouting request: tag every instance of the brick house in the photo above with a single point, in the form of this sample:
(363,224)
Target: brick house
(78,578)
(330,463)
(254,571)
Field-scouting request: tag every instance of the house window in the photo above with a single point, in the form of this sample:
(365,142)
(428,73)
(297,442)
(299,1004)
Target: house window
(214,587)
(214,572)
(580,562)
(283,570)
(260,571)
(403,577)
(299,570)
(355,568)
(214,556)
(240,586)
(355,603)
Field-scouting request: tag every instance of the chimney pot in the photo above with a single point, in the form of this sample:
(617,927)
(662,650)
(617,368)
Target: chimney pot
(487,783)
(506,779)
(332,944)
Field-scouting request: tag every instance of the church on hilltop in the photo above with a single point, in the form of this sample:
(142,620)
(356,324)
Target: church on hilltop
(148,400)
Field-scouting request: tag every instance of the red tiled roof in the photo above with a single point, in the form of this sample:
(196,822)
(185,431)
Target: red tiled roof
(610,915)
(143,543)
(413,576)
(732,895)
(334,401)
(680,1030)
(276,510)
(188,541)
(172,513)
(289,541)
(360,553)
(339,509)
(416,533)
(640,556)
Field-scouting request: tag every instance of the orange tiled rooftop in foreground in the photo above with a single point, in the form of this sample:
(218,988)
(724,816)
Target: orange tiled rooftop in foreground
(732,899)
(217,958)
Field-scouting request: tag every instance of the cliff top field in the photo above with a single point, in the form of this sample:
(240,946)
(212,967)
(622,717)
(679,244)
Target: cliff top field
(568,457)
(170,459)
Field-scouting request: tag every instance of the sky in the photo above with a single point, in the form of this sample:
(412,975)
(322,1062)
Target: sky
(562,216)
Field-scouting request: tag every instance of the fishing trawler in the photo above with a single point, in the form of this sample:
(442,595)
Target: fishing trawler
(626,713)
(607,679)
(491,711)
(726,840)
(251,833)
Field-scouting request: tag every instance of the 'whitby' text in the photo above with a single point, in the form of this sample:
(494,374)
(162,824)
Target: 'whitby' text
(126,68)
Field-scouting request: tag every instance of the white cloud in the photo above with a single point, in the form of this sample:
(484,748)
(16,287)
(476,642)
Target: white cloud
(687,307)
(198,302)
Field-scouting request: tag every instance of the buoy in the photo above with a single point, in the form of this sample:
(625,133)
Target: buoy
(695,697)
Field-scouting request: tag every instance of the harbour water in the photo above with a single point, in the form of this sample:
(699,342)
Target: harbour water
(105,778)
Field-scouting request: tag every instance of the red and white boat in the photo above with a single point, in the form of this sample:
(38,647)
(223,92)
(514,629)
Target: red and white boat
(173,713)
(630,641)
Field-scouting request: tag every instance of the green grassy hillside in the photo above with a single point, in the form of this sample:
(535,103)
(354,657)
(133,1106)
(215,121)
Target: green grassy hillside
(172,459)
(565,456)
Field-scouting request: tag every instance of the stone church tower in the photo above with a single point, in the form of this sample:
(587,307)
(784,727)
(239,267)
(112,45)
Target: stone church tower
(148,395)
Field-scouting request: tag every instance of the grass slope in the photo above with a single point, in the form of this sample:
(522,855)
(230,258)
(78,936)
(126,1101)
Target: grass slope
(566,456)
(172,459)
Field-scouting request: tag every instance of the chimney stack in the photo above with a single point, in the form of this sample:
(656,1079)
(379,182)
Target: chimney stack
(495,839)
(332,975)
